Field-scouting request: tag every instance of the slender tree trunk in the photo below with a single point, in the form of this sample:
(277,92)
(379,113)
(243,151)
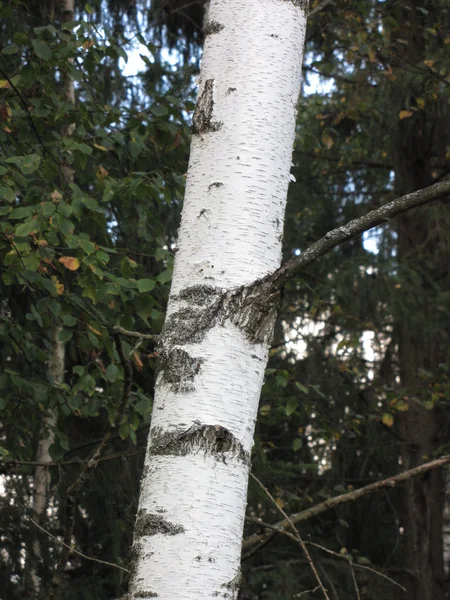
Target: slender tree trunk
(42,479)
(214,345)
(41,486)
(423,260)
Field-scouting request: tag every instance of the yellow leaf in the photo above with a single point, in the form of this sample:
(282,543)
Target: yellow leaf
(42,243)
(101,173)
(387,419)
(402,406)
(55,196)
(59,286)
(405,114)
(328,141)
(420,102)
(265,410)
(137,361)
(429,64)
(99,147)
(7,130)
(70,262)
(4,84)
(94,330)
(280,502)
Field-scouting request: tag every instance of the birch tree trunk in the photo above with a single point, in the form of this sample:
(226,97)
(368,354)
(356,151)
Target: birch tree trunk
(214,344)
(42,479)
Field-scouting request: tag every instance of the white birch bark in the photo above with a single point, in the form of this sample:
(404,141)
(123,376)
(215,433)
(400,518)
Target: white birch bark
(214,345)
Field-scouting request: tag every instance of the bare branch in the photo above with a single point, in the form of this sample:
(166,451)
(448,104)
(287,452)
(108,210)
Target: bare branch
(309,513)
(337,236)
(319,8)
(103,562)
(136,334)
(296,535)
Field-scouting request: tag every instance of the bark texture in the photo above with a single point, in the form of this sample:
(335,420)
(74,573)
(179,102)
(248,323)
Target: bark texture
(220,319)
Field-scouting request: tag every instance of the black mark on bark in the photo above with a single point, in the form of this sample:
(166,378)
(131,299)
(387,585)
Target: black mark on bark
(213,27)
(253,309)
(178,368)
(216,184)
(202,121)
(212,440)
(151,524)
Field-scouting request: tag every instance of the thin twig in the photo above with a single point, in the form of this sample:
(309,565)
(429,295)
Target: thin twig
(356,565)
(307,592)
(319,7)
(8,464)
(103,562)
(309,513)
(136,334)
(355,583)
(297,536)
(355,227)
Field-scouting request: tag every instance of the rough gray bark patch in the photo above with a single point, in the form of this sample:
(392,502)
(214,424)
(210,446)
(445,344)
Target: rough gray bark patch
(178,369)
(253,309)
(212,27)
(202,121)
(211,440)
(151,524)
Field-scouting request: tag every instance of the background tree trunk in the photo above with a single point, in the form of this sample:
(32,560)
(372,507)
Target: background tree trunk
(423,256)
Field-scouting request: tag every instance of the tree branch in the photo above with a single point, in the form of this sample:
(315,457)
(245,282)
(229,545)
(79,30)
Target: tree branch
(337,236)
(309,513)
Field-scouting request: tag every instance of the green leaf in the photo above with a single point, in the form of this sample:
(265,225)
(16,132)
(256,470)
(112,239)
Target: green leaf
(301,387)
(165,276)
(26,228)
(41,49)
(6,193)
(21,212)
(65,335)
(145,285)
(112,372)
(281,381)
(11,49)
(89,202)
(86,245)
(30,163)
(159,110)
(297,444)
(124,430)
(291,406)
(48,208)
